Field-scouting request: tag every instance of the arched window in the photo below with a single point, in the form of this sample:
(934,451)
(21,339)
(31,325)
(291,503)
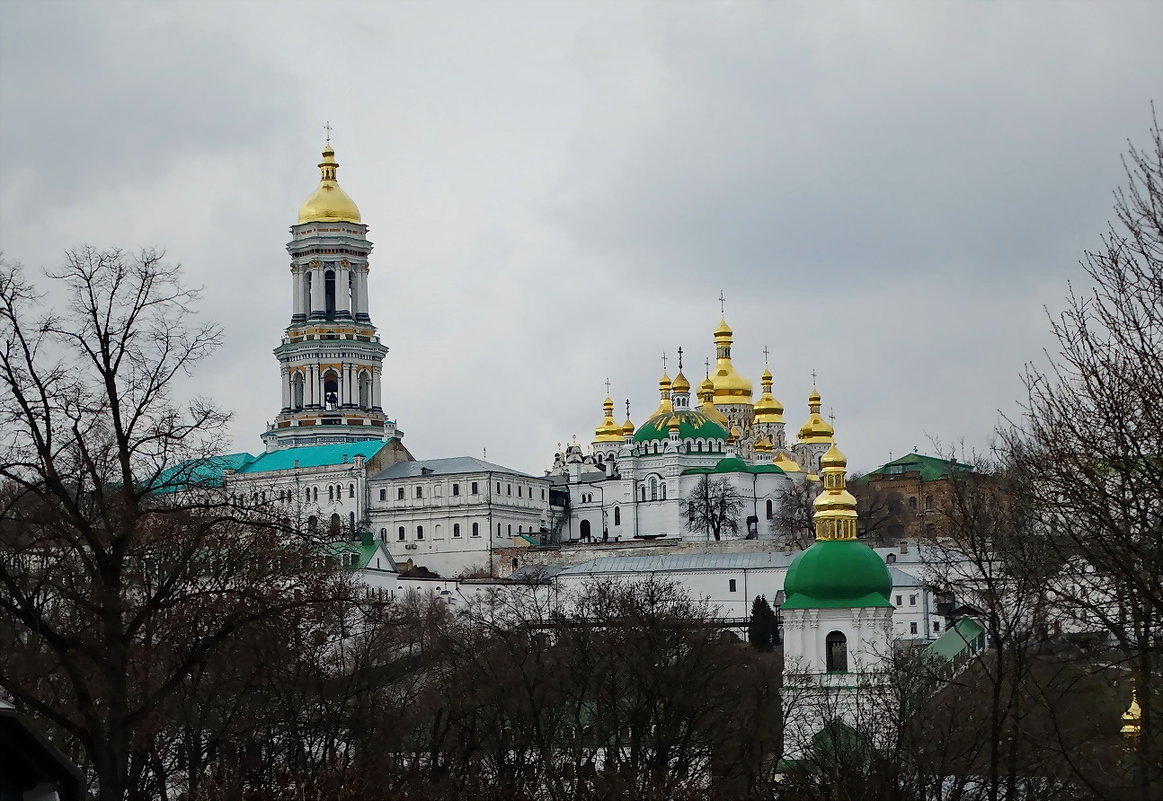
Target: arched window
(617,516)
(400,534)
(307,495)
(912,504)
(329,293)
(331,493)
(330,390)
(836,649)
(769,509)
(419,532)
(312,523)
(315,494)
(585,529)
(307,291)
(928,503)
(476,529)
(653,488)
(351,490)
(515,563)
(336,522)
(383,535)
(351,522)
(891,558)
(297,391)
(456,529)
(664,490)
(365,390)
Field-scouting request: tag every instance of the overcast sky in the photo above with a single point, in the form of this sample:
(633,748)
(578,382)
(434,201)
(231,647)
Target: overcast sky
(887,193)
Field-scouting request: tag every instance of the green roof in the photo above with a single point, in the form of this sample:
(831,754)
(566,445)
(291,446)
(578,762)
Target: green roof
(314,456)
(966,636)
(691,425)
(929,468)
(363,549)
(733,465)
(837,574)
(205,472)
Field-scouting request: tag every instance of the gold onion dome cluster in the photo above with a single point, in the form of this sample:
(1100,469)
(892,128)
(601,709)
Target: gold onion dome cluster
(708,407)
(328,203)
(816,428)
(767,408)
(730,387)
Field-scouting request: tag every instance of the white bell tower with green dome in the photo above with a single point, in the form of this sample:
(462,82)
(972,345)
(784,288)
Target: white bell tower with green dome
(837,616)
(331,357)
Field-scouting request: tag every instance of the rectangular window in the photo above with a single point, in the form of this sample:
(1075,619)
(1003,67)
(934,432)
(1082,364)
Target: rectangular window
(899,600)
(731,585)
(419,492)
(383,495)
(518,490)
(508,489)
(913,628)
(936,625)
(400,534)
(912,600)
(400,494)
(474,489)
(456,529)
(436,490)
(455,489)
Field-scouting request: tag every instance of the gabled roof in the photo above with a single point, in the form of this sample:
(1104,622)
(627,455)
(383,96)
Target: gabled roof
(930,468)
(313,456)
(454,465)
(966,636)
(364,549)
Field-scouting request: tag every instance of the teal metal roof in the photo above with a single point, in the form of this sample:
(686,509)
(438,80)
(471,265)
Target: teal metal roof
(965,637)
(733,465)
(314,456)
(205,472)
(363,551)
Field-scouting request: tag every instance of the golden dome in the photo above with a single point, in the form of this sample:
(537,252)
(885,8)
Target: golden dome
(816,428)
(835,507)
(627,428)
(786,463)
(608,431)
(680,384)
(833,458)
(763,445)
(730,387)
(767,408)
(328,203)
(664,404)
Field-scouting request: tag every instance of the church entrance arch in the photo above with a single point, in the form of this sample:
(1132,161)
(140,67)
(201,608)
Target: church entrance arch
(585,529)
(836,648)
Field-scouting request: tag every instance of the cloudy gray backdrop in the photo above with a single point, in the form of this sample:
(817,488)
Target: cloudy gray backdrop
(888,193)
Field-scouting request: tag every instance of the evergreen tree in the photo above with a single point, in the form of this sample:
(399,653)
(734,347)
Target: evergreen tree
(761,631)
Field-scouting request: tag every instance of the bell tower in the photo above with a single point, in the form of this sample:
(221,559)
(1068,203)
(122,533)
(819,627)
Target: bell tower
(331,357)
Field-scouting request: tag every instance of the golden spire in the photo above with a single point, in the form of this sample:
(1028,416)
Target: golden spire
(608,431)
(328,203)
(664,405)
(835,507)
(1131,720)
(730,387)
(816,428)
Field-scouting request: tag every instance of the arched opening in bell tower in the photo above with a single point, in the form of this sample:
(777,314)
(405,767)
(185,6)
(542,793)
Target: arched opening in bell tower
(836,652)
(330,391)
(329,293)
(365,390)
(297,392)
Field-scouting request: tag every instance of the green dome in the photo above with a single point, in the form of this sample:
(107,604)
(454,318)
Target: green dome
(691,425)
(731,465)
(837,574)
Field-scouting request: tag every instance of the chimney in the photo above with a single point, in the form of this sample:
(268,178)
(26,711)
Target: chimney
(904,546)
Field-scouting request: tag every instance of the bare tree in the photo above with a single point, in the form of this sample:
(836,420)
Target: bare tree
(794,520)
(121,572)
(880,512)
(1090,442)
(713,508)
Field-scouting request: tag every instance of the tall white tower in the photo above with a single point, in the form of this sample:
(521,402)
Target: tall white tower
(331,358)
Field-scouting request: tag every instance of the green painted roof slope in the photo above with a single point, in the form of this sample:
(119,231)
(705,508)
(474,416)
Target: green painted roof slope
(966,635)
(691,425)
(930,468)
(314,456)
(205,472)
(363,549)
(837,574)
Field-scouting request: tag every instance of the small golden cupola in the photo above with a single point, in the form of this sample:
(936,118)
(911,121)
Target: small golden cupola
(1132,721)
(708,407)
(328,203)
(786,463)
(767,408)
(609,430)
(730,387)
(815,428)
(664,404)
(835,507)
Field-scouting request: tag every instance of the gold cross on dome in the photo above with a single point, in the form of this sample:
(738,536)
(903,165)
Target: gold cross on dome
(627,408)
(766,353)
(327,129)
(664,362)
(813,377)
(607,385)
(707,364)
(722,303)
(832,416)
(680,359)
